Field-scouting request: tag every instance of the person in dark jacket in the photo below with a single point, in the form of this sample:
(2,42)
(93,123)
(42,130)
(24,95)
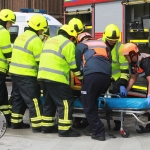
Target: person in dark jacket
(95,59)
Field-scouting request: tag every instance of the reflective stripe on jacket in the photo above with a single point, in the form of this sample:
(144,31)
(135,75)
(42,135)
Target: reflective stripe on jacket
(5,49)
(26,53)
(137,69)
(57,58)
(120,66)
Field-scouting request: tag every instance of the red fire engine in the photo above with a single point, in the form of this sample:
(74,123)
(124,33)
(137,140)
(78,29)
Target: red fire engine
(131,16)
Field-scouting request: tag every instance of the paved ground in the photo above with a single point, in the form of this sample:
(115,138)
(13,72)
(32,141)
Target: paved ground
(24,139)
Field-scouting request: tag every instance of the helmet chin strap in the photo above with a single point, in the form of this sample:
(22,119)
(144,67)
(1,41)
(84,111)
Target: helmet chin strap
(131,56)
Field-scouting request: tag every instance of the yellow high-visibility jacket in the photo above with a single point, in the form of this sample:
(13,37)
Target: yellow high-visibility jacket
(5,49)
(120,66)
(57,58)
(26,53)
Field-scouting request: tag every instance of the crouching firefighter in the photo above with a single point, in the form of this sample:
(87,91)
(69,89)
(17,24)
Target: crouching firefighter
(140,66)
(96,79)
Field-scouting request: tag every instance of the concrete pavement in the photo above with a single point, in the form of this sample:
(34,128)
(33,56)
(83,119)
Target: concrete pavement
(24,139)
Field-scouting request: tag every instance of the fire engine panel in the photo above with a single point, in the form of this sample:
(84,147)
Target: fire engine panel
(136,17)
(83,13)
(131,16)
(95,14)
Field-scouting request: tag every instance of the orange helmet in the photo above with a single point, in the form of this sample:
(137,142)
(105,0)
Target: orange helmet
(82,35)
(128,48)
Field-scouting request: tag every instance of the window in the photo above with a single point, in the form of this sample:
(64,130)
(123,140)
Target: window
(13,33)
(53,30)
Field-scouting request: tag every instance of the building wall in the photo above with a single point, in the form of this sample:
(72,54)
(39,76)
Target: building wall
(53,7)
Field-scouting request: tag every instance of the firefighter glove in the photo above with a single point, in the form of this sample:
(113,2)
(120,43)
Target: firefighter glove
(148,100)
(123,91)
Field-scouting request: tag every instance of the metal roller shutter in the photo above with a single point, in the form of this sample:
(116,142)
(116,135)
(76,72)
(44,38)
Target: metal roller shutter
(106,13)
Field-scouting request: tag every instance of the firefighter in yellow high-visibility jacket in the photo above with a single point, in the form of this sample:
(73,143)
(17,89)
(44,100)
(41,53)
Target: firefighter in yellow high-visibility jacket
(79,28)
(7,18)
(27,49)
(120,67)
(56,61)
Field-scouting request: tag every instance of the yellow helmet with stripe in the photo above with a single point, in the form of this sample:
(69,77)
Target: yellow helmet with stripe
(76,24)
(38,22)
(7,15)
(112,32)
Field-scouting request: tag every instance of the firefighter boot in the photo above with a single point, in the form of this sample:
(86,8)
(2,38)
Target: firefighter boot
(87,131)
(100,138)
(20,125)
(53,129)
(69,133)
(36,130)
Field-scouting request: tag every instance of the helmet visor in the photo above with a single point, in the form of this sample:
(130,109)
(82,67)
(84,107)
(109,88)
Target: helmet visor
(112,40)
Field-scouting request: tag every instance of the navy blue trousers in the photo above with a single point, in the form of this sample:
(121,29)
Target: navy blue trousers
(93,85)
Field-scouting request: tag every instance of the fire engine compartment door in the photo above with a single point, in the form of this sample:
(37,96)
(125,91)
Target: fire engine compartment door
(132,2)
(136,30)
(107,13)
(84,13)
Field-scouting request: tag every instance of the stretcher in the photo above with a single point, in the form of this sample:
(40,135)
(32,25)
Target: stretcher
(118,109)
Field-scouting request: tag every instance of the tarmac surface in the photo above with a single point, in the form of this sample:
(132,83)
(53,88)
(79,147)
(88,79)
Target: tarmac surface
(24,139)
